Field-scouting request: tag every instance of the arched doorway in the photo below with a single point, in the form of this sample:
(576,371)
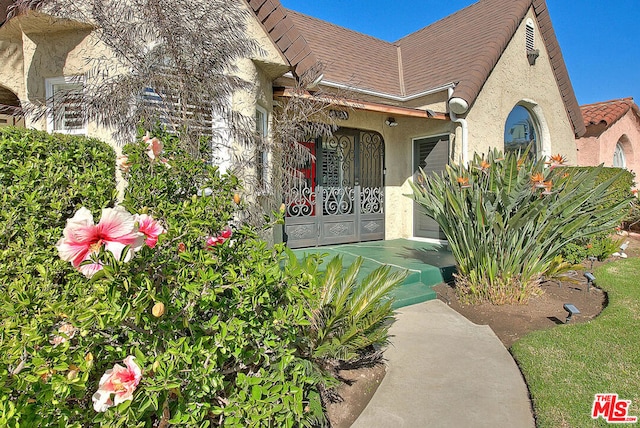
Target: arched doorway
(10,111)
(339,197)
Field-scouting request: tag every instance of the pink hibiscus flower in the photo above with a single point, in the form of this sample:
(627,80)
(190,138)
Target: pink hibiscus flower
(151,229)
(212,241)
(120,381)
(154,146)
(82,238)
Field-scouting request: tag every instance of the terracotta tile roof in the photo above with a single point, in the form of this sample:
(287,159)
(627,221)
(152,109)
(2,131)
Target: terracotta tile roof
(607,112)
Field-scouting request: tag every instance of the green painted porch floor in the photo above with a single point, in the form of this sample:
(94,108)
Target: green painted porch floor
(428,264)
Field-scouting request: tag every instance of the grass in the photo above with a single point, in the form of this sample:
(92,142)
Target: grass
(566,366)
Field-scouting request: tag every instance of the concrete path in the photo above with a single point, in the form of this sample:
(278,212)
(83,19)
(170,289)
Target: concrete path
(444,371)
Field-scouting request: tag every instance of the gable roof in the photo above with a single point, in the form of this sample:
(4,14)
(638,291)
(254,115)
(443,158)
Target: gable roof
(598,117)
(282,31)
(462,48)
(607,112)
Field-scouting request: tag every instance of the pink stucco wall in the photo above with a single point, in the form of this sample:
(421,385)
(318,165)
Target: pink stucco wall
(600,149)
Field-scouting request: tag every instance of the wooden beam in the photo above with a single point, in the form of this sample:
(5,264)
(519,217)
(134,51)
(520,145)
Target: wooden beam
(363,105)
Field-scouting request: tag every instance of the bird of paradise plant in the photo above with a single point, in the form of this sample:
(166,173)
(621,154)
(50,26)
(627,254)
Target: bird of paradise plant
(507,236)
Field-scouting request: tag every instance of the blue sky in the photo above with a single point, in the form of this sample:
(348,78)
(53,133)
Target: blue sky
(600,39)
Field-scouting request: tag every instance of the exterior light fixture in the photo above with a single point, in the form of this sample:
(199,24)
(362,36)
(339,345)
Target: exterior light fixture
(621,253)
(391,122)
(571,311)
(590,279)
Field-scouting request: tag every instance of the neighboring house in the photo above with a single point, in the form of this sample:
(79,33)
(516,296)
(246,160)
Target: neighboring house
(490,75)
(613,135)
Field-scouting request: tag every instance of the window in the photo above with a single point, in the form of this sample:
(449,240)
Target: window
(619,160)
(64,102)
(520,132)
(262,154)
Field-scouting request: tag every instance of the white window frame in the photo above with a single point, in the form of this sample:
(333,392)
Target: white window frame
(263,181)
(619,159)
(50,84)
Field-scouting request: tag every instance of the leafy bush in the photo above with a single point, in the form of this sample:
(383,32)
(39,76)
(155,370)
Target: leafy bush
(507,219)
(43,180)
(600,246)
(620,187)
(214,327)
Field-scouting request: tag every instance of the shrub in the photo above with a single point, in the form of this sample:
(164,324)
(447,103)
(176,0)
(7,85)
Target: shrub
(600,246)
(507,219)
(44,179)
(214,327)
(620,187)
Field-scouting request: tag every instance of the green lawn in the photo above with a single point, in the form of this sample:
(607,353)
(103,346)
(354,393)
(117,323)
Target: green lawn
(566,366)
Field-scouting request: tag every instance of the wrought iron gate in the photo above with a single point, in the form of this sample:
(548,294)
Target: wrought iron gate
(339,198)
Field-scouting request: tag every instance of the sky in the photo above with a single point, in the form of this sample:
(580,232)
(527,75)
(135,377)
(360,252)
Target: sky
(600,39)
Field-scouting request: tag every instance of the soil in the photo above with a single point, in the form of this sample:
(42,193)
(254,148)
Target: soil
(509,322)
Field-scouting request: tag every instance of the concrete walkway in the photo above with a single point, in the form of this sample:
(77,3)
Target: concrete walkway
(444,371)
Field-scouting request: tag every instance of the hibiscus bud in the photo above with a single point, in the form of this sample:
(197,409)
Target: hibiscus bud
(282,208)
(181,247)
(158,310)
(89,359)
(236,199)
(155,366)
(73,373)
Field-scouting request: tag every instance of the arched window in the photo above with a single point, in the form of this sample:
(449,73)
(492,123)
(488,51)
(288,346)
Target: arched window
(619,160)
(520,132)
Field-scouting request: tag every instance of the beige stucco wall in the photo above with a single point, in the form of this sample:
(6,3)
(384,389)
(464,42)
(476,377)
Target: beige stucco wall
(599,149)
(34,47)
(514,81)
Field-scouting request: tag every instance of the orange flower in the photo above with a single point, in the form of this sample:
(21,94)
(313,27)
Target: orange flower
(484,164)
(463,181)
(557,159)
(520,162)
(547,185)
(537,178)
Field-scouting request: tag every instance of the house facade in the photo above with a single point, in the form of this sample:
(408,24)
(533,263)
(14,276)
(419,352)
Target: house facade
(613,135)
(490,75)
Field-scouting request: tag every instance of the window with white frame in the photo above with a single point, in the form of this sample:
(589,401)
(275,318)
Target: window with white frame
(619,161)
(520,132)
(64,102)
(262,154)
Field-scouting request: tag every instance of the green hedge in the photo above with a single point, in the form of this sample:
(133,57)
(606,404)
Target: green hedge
(44,179)
(620,188)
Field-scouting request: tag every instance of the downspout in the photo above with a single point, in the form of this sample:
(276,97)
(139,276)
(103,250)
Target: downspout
(460,106)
